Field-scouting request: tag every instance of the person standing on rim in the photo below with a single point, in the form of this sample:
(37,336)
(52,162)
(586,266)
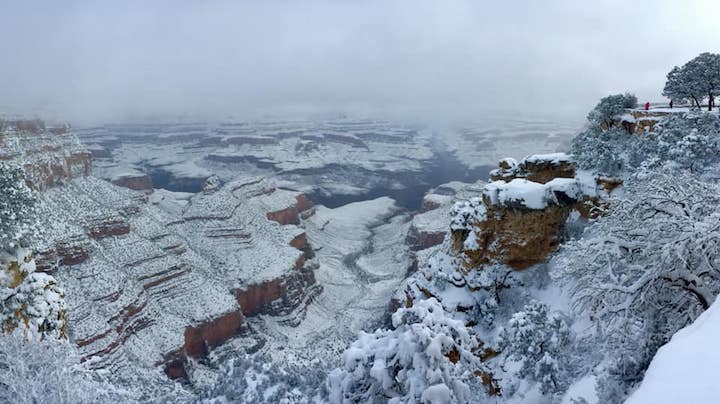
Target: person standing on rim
(647,106)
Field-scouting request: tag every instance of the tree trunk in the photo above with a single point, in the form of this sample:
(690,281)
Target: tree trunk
(710,102)
(696,101)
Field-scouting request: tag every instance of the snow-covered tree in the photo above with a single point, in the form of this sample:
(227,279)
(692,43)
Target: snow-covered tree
(17,209)
(697,79)
(49,371)
(647,268)
(610,107)
(677,87)
(540,343)
(249,379)
(692,140)
(428,357)
(610,152)
(605,147)
(30,301)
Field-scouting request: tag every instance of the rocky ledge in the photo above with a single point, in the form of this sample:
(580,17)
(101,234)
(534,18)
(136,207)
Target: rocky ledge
(520,218)
(50,155)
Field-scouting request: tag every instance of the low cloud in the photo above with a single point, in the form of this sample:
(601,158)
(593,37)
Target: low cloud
(91,61)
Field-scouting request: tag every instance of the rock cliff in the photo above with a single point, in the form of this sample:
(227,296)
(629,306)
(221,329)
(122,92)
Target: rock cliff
(154,280)
(50,155)
(521,216)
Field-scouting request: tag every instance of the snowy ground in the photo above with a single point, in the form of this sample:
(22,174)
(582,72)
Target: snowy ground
(684,370)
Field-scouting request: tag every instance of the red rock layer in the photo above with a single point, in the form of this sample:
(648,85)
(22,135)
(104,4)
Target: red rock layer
(140,182)
(291,214)
(107,227)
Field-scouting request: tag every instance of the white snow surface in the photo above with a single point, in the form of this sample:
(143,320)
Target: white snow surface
(685,370)
(554,158)
(530,194)
(533,195)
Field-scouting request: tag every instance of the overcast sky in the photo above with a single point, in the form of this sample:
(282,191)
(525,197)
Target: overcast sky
(111,61)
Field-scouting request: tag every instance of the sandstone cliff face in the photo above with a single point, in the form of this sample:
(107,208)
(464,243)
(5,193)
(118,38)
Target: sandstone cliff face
(67,252)
(50,156)
(137,181)
(517,238)
(300,207)
(523,213)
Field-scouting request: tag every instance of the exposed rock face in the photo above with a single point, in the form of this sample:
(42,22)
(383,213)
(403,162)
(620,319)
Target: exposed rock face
(422,239)
(292,213)
(67,252)
(516,237)
(540,168)
(200,339)
(637,121)
(101,227)
(609,184)
(522,220)
(429,204)
(50,156)
(276,296)
(138,182)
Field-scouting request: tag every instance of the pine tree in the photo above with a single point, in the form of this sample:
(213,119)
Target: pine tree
(17,209)
(539,343)
(647,268)
(697,79)
(30,301)
(427,357)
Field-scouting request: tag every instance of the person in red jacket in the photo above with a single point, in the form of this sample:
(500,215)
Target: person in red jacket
(647,106)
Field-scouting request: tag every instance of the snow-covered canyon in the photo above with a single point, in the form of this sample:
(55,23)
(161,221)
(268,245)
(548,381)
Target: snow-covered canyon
(208,245)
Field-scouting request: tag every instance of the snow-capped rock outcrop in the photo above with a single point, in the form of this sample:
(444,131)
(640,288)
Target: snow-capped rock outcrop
(539,168)
(520,219)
